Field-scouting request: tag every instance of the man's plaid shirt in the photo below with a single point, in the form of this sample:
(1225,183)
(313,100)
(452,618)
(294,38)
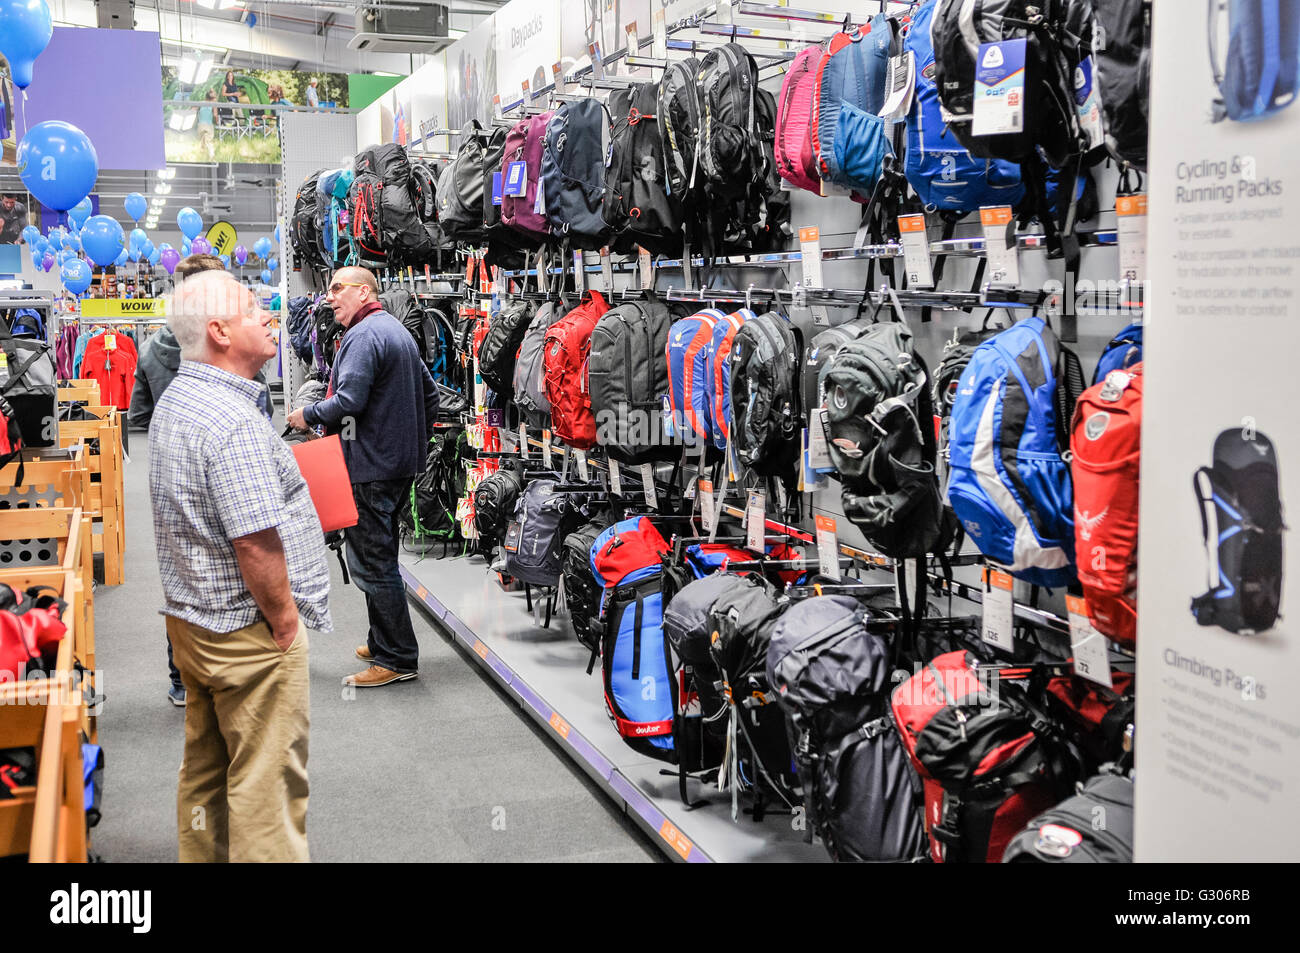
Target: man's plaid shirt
(218,471)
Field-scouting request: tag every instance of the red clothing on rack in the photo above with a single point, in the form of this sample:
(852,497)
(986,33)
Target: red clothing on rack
(113,368)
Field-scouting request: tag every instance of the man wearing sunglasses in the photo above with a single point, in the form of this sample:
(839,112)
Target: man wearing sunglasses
(383,402)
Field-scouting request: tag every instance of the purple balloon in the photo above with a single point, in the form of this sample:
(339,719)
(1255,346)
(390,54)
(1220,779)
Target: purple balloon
(47,262)
(170,259)
(241,254)
(200,246)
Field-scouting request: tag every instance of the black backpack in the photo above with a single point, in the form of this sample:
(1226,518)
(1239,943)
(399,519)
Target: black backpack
(304,230)
(506,247)
(832,677)
(957,352)
(403,305)
(638,206)
(494,505)
(573,173)
(460,192)
(1122,74)
(533,541)
(818,354)
(627,378)
(880,432)
(1094,826)
(385,224)
(581,594)
(500,347)
(299,326)
(680,119)
(766,418)
(1242,486)
(431,513)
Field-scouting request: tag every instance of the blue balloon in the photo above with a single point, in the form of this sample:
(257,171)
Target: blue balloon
(136,206)
(66,254)
(80,212)
(155,256)
(225,260)
(185,248)
(102,239)
(122,258)
(266,277)
(146,248)
(73,240)
(25,30)
(189,222)
(75,275)
(57,162)
(55,238)
(133,253)
(138,237)
(163,246)
(262,247)
(31,234)
(277,234)
(272,264)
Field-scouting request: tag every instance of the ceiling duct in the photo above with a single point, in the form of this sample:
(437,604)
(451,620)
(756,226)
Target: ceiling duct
(403,28)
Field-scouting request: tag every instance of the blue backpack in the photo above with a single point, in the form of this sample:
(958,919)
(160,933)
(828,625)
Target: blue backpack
(689,345)
(850,139)
(331,208)
(1260,75)
(717,395)
(27,323)
(1124,350)
(938,167)
(1009,486)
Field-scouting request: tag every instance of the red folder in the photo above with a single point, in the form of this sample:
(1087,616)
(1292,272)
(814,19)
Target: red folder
(322,466)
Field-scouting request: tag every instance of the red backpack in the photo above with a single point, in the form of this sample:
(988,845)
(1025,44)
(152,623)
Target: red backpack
(564,369)
(973,738)
(1105,442)
(795,160)
(30,624)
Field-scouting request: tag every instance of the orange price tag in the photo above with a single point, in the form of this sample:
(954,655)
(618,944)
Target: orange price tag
(560,725)
(1131,204)
(676,839)
(421,593)
(480,650)
(809,233)
(911,223)
(996,215)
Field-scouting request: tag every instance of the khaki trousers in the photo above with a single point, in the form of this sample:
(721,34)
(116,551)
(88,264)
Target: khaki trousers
(243,780)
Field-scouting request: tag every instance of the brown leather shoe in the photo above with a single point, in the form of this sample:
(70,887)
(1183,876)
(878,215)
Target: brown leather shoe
(363,653)
(375,676)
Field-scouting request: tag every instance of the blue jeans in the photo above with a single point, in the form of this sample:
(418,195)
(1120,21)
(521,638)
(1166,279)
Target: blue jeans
(172,670)
(372,560)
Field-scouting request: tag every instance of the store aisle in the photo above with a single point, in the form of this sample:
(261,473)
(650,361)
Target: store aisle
(443,768)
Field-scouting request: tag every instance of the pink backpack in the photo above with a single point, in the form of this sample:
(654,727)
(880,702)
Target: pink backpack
(524,143)
(795,160)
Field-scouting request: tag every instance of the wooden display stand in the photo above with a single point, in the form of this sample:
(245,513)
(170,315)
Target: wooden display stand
(105,499)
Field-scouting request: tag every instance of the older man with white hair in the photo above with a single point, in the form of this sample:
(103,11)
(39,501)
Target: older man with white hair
(244,575)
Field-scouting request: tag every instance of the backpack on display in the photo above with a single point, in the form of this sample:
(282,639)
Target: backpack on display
(1123,351)
(1122,74)
(566,349)
(1008,483)
(1105,450)
(943,173)
(848,136)
(831,675)
(529,376)
(627,378)
(680,118)
(31,390)
(533,541)
(637,206)
(403,305)
(496,355)
(880,434)
(765,416)
(333,221)
(526,143)
(984,769)
(1242,488)
(11,438)
(792,150)
(689,346)
(573,174)
(460,193)
(299,325)
(957,352)
(717,395)
(386,225)
(581,594)
(494,504)
(431,514)
(1260,73)
(304,229)
(1094,826)
(506,246)
(31,627)
(817,356)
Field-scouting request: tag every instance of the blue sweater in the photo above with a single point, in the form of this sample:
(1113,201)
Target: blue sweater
(382,384)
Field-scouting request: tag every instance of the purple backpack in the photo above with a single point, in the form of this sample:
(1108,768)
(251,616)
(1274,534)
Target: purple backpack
(525,141)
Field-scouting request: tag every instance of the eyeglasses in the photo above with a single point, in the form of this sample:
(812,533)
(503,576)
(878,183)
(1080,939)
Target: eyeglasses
(340,285)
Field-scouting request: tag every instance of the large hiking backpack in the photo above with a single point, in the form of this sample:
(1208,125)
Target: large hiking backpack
(717,396)
(680,119)
(1242,487)
(530,367)
(1008,484)
(1260,74)
(627,378)
(637,206)
(494,504)
(848,136)
(404,306)
(1105,449)
(304,231)
(1121,71)
(526,143)
(333,221)
(573,174)
(792,150)
(533,543)
(581,594)
(386,226)
(635,666)
(817,357)
(880,434)
(431,514)
(983,764)
(1123,351)
(943,173)
(506,245)
(460,193)
(832,677)
(566,349)
(497,353)
(689,344)
(765,415)
(1094,826)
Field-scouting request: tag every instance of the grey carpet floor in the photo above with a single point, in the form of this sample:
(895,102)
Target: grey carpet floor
(443,768)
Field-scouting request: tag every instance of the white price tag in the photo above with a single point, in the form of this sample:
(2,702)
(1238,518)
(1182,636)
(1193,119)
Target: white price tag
(633,44)
(496,107)
(1000,244)
(810,247)
(546,448)
(916,251)
(648,485)
(659,34)
(998,616)
(615,478)
(902,81)
(583,473)
(606,271)
(1131,229)
(819,454)
(999,88)
(565,455)
(523,441)
(1088,101)
(646,267)
(756,521)
(1087,644)
(705,497)
(579,272)
(557,77)
(821,317)
(828,547)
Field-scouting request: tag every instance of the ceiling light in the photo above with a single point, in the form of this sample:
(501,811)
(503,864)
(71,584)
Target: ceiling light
(166,174)
(183,119)
(158,202)
(161,188)
(194,67)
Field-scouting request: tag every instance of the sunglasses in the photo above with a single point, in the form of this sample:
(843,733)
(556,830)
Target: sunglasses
(338,286)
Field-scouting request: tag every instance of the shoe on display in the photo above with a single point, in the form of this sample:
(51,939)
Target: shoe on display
(363,653)
(377,675)
(177,696)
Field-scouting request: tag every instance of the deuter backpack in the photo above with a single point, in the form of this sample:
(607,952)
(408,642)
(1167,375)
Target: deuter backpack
(986,770)
(581,594)
(565,352)
(627,378)
(1241,487)
(1095,826)
(717,395)
(1105,450)
(526,143)
(573,174)
(638,206)
(497,353)
(1008,483)
(1121,71)
(507,246)
(849,138)
(460,193)
(529,375)
(533,540)
(386,225)
(1123,351)
(689,343)
(793,149)
(832,678)
(1260,73)
(939,168)
(765,415)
